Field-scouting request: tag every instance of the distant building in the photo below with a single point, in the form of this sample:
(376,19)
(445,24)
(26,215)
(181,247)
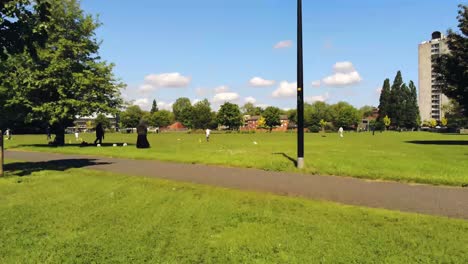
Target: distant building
(81,122)
(177,126)
(431,98)
(251,123)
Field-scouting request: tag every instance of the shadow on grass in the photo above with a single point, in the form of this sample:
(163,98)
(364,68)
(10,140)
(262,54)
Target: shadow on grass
(440,142)
(27,168)
(104,145)
(293,160)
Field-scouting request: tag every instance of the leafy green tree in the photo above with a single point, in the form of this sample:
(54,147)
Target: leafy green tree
(387,121)
(261,123)
(214,121)
(366,111)
(444,121)
(292,115)
(154,107)
(272,117)
(183,111)
(433,123)
(161,118)
(315,112)
(384,101)
(322,124)
(229,115)
(68,77)
(251,109)
(344,115)
(412,109)
(453,67)
(102,119)
(201,114)
(131,116)
(454,113)
(23,26)
(398,97)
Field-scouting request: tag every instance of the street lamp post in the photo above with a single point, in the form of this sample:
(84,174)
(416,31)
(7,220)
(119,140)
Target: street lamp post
(300,90)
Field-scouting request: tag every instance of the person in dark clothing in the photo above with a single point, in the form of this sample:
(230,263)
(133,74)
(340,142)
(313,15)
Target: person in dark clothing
(142,141)
(99,134)
(49,136)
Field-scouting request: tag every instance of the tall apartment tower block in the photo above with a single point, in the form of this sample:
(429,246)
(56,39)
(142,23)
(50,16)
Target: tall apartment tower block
(431,98)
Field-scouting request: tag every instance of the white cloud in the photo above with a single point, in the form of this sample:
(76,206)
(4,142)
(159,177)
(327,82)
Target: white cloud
(283,44)
(316,84)
(263,105)
(317,98)
(344,75)
(260,82)
(342,79)
(221,89)
(166,80)
(225,97)
(194,101)
(285,89)
(201,91)
(143,103)
(378,91)
(250,99)
(343,66)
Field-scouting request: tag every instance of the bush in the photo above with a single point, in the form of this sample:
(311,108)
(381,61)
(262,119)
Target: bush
(314,129)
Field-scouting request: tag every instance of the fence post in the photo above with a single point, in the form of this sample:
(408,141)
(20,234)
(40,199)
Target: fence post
(1,153)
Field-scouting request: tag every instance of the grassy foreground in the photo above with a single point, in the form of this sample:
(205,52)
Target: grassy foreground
(82,216)
(410,157)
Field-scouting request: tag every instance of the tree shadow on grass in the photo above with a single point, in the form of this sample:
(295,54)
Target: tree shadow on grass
(293,160)
(104,145)
(27,168)
(440,142)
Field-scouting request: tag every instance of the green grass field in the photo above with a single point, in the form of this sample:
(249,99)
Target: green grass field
(83,216)
(410,157)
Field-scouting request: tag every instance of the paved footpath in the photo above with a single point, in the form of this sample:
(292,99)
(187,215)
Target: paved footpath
(425,199)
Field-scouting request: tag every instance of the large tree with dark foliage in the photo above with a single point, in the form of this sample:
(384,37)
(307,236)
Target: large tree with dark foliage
(384,102)
(23,26)
(229,115)
(453,67)
(67,78)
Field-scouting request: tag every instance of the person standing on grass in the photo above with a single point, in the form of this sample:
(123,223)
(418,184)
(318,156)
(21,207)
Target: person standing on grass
(341,131)
(8,134)
(49,136)
(207,133)
(99,134)
(77,135)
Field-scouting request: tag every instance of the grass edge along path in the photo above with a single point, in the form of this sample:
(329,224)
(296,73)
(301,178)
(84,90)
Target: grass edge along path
(404,157)
(91,216)
(427,199)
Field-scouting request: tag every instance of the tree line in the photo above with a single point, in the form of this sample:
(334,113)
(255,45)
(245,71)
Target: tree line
(200,115)
(399,103)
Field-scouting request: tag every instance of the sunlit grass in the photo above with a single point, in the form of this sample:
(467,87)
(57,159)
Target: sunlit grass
(83,216)
(442,159)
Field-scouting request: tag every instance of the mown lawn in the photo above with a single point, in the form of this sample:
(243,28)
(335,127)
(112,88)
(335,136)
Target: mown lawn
(410,156)
(83,216)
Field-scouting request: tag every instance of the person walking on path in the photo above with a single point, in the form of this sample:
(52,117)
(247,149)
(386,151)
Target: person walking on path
(207,133)
(341,131)
(99,134)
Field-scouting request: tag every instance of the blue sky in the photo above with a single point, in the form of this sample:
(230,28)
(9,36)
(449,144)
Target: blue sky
(213,49)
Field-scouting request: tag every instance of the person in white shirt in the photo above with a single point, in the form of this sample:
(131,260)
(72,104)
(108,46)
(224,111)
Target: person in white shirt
(341,131)
(207,133)
(77,135)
